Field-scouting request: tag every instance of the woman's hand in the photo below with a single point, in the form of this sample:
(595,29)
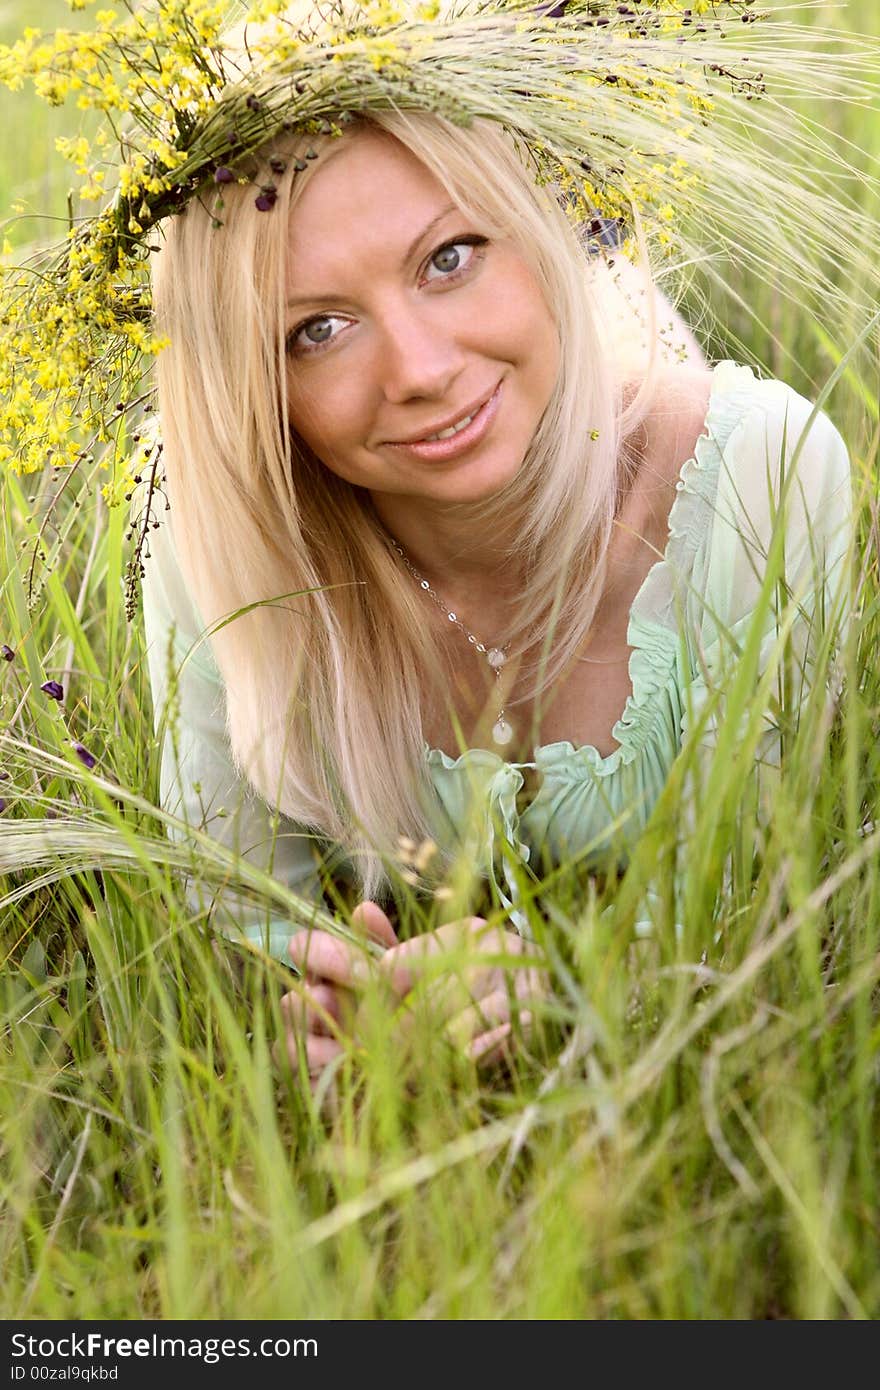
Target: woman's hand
(474,977)
(478,979)
(322,1007)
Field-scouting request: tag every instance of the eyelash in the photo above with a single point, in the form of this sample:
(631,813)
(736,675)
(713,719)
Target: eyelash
(477,242)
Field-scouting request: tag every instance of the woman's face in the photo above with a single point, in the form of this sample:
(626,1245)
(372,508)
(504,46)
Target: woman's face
(404,321)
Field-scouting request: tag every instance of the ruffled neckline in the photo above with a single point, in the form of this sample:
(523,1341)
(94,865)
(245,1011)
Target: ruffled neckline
(647,634)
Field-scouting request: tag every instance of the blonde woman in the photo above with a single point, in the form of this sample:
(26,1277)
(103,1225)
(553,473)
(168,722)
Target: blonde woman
(476,532)
(464,535)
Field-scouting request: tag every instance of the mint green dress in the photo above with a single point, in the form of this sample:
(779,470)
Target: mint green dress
(686,626)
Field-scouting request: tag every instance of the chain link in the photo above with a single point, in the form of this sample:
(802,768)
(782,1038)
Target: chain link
(496,656)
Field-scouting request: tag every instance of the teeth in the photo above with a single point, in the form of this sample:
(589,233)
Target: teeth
(453,429)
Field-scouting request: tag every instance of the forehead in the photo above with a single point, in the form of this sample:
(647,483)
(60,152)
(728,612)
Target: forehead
(366,192)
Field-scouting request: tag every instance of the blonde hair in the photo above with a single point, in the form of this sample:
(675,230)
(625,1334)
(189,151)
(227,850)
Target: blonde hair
(322,730)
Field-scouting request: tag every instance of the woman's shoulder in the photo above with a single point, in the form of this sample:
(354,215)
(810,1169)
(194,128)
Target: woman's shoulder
(677,418)
(755,425)
(777,462)
(774,441)
(670,432)
(719,445)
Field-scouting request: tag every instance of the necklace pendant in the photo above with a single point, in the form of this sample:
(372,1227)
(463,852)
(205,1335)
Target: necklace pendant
(496,658)
(502,732)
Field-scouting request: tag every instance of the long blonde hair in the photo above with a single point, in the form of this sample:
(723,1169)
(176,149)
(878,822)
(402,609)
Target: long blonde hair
(256,516)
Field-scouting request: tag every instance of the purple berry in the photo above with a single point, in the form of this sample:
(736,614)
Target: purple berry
(86,758)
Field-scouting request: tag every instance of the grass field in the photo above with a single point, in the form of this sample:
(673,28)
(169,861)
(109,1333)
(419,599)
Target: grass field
(693,1131)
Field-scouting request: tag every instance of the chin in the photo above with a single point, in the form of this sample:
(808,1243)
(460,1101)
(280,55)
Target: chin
(475,482)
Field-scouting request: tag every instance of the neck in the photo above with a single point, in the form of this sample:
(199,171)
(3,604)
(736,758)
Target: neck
(451,547)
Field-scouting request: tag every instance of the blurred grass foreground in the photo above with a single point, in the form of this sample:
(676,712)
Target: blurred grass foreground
(693,1131)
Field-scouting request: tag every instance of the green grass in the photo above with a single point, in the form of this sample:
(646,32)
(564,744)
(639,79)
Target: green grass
(693,1131)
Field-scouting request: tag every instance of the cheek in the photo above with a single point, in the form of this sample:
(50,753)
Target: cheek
(541,349)
(324,413)
(552,361)
(529,326)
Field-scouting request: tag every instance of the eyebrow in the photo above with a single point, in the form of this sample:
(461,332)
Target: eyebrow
(411,250)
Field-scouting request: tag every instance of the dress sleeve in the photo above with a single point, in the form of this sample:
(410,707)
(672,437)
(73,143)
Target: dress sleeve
(777,571)
(198,780)
(783,509)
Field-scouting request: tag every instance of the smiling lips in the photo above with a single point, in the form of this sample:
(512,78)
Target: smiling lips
(455,438)
(453,429)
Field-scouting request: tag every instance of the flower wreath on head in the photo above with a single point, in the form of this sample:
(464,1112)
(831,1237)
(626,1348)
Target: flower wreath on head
(632,112)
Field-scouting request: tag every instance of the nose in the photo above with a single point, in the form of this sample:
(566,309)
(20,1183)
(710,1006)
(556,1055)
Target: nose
(420,355)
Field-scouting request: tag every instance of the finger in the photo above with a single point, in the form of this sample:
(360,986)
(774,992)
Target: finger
(318,1008)
(468,943)
(492,1011)
(530,982)
(459,964)
(369,917)
(322,956)
(490,1047)
(445,987)
(499,959)
(424,955)
(452,937)
(449,997)
(319,1051)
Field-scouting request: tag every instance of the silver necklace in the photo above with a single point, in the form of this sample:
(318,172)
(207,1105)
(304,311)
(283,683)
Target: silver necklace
(502,731)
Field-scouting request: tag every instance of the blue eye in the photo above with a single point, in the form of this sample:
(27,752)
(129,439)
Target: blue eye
(447,258)
(454,257)
(314,333)
(318,331)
